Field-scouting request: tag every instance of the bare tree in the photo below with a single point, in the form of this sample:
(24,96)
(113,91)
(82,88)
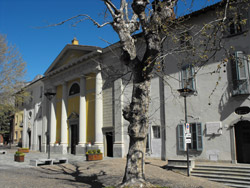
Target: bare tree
(12,70)
(156,24)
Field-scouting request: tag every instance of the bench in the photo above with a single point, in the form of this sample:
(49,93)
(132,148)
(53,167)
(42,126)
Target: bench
(37,162)
(60,161)
(3,152)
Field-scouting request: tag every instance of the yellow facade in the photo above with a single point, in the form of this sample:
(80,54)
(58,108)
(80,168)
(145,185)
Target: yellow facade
(58,112)
(73,105)
(18,127)
(90,105)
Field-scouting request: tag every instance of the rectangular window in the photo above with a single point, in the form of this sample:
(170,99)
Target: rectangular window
(41,91)
(240,73)
(187,77)
(156,131)
(181,138)
(196,137)
(40,112)
(148,144)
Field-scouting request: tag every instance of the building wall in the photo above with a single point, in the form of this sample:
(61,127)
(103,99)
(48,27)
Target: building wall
(212,102)
(18,127)
(58,112)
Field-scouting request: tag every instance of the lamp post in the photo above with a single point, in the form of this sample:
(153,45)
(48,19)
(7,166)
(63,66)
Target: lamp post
(186,92)
(49,95)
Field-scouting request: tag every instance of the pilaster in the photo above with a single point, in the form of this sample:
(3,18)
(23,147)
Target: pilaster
(64,135)
(118,146)
(98,111)
(52,120)
(81,147)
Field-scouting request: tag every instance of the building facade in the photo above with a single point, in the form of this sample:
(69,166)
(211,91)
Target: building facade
(30,116)
(89,87)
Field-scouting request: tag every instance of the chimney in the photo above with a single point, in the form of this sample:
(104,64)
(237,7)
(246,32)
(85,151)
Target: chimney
(75,41)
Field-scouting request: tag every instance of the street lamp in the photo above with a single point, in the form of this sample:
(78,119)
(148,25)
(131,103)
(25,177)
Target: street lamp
(184,92)
(49,95)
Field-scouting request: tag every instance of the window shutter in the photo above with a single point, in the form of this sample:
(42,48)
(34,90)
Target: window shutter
(192,77)
(199,137)
(187,77)
(183,78)
(181,137)
(241,65)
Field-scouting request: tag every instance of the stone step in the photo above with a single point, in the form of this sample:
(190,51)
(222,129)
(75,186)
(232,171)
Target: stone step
(224,170)
(225,177)
(228,173)
(232,167)
(236,185)
(181,162)
(226,181)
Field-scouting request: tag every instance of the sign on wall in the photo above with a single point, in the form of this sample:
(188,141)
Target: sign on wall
(214,128)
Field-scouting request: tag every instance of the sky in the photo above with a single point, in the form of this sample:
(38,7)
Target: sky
(24,24)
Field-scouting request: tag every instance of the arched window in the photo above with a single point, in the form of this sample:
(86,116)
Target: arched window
(74,89)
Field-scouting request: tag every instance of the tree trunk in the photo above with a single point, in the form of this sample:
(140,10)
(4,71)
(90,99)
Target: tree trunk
(137,114)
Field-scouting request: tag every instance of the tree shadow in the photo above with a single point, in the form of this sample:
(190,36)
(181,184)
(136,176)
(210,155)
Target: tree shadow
(76,174)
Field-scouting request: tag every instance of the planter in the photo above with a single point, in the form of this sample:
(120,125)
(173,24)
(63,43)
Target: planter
(94,157)
(24,150)
(19,158)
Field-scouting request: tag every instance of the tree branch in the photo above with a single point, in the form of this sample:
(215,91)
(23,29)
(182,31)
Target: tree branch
(87,17)
(111,6)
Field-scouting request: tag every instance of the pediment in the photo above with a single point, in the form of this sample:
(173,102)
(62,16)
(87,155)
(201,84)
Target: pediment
(73,116)
(70,54)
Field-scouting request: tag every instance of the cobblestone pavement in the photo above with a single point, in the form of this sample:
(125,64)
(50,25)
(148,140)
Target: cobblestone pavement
(79,173)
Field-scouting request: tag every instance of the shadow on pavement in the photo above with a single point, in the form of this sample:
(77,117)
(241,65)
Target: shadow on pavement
(77,175)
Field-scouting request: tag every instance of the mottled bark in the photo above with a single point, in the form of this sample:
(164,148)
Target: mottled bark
(137,112)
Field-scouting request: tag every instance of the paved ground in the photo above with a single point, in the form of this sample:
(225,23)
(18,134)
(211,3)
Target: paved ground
(79,173)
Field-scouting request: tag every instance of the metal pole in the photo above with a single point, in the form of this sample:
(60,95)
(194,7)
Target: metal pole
(48,130)
(185,104)
(49,141)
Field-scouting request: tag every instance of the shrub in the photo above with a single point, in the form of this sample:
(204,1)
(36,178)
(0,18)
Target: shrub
(89,152)
(18,153)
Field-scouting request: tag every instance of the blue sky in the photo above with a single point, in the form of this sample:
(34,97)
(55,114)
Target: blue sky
(19,20)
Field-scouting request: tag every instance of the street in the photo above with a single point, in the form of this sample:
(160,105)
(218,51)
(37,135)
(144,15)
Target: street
(80,173)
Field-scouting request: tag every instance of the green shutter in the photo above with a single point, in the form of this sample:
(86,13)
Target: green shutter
(192,77)
(199,137)
(187,77)
(241,65)
(181,137)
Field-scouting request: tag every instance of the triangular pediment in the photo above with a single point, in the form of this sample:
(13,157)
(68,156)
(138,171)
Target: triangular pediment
(69,55)
(73,116)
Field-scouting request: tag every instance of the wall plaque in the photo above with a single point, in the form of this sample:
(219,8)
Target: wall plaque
(214,128)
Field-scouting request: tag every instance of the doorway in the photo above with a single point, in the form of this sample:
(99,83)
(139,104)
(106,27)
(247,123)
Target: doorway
(74,138)
(242,137)
(109,141)
(29,135)
(40,143)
